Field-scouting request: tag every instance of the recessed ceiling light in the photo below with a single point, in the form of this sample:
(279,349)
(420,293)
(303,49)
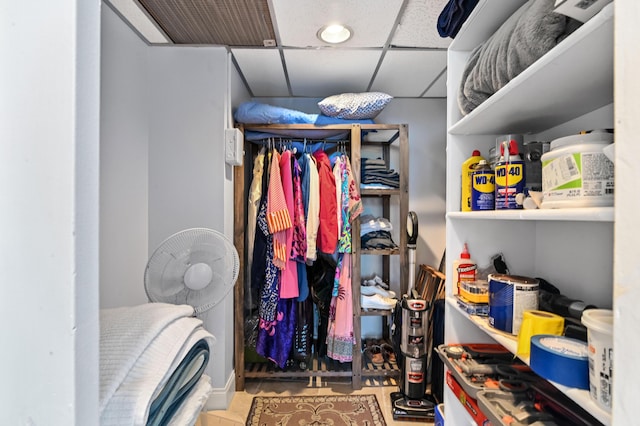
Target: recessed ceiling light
(335,33)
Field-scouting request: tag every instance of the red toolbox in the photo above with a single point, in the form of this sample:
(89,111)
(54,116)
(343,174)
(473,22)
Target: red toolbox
(470,404)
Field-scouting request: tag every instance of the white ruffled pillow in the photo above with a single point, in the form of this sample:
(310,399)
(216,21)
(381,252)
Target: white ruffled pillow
(354,106)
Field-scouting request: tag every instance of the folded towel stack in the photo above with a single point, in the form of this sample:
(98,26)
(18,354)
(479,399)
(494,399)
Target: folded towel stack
(375,173)
(152,359)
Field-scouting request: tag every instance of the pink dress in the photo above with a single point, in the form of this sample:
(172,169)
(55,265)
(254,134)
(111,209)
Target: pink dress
(289,276)
(340,338)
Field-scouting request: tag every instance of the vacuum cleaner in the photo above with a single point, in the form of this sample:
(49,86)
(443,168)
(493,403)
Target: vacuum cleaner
(410,321)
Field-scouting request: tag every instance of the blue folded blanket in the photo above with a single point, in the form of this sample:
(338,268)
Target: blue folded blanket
(181,382)
(259,113)
(454,14)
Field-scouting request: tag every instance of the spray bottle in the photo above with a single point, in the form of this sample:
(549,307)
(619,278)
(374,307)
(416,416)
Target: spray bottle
(467,169)
(483,188)
(510,179)
(464,269)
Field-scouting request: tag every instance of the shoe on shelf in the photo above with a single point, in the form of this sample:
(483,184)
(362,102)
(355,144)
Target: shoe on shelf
(388,353)
(376,280)
(370,290)
(377,301)
(374,353)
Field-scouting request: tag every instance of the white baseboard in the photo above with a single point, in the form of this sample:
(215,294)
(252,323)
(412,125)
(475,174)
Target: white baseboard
(220,398)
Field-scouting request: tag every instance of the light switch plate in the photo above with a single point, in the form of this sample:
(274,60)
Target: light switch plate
(233,144)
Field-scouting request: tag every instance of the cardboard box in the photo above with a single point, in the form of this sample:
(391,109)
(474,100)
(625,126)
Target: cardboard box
(470,404)
(581,10)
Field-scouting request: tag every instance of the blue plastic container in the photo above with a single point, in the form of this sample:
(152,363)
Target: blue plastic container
(439,418)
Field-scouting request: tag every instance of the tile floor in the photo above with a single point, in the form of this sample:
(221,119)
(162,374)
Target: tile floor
(241,403)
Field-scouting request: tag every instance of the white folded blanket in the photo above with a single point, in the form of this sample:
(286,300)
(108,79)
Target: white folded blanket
(140,347)
(188,413)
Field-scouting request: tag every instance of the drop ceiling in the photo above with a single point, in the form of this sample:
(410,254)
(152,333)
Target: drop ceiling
(395,47)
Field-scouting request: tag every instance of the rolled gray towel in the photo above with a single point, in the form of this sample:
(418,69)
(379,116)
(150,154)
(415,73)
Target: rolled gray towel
(528,34)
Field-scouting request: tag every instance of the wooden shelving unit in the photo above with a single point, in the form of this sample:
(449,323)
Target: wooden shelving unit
(383,138)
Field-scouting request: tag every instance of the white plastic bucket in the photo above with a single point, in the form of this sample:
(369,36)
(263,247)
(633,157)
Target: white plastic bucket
(599,323)
(577,173)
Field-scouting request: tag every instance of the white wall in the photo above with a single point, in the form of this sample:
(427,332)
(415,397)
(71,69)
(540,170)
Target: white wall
(427,158)
(124,164)
(164,111)
(188,89)
(187,95)
(49,136)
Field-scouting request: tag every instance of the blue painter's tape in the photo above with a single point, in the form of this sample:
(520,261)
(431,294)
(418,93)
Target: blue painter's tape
(560,359)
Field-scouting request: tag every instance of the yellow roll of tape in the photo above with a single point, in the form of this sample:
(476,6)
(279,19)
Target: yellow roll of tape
(537,322)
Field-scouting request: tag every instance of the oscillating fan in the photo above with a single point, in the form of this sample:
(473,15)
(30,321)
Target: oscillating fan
(196,267)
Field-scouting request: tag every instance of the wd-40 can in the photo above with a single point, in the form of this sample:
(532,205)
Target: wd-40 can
(510,179)
(483,187)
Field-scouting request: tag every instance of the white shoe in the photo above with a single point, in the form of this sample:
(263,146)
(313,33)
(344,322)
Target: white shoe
(370,290)
(377,302)
(376,280)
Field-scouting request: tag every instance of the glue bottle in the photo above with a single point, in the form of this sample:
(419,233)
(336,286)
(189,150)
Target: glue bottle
(467,169)
(464,269)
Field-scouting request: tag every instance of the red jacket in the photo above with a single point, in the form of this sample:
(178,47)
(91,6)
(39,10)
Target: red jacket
(328,231)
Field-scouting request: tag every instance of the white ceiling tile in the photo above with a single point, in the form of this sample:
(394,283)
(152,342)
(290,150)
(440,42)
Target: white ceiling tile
(262,69)
(407,73)
(325,72)
(418,25)
(298,21)
(439,88)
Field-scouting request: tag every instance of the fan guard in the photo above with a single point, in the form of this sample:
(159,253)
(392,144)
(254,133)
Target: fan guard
(196,266)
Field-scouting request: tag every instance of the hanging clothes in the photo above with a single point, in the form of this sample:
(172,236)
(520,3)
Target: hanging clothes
(311,199)
(262,254)
(299,248)
(269,292)
(327,239)
(277,316)
(351,208)
(255,194)
(278,217)
(275,339)
(289,273)
(321,275)
(340,337)
(337,162)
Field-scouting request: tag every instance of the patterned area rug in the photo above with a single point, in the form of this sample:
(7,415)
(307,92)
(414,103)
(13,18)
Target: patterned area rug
(335,410)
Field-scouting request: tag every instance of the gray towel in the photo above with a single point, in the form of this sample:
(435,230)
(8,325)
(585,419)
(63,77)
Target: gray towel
(527,35)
